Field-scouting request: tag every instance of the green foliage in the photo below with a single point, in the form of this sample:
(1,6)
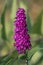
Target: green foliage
(36,58)
(32,51)
(13,9)
(7,33)
(42,24)
(29,23)
(10,58)
(22,56)
(3,23)
(37,26)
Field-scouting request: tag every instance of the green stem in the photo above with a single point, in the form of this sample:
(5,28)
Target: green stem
(27,61)
(27,58)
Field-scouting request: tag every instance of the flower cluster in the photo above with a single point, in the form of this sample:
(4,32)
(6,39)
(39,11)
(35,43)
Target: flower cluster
(21,36)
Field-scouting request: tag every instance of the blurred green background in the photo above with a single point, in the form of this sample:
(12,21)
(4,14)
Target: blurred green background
(34,13)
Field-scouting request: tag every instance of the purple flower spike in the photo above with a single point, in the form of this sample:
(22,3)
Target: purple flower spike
(21,37)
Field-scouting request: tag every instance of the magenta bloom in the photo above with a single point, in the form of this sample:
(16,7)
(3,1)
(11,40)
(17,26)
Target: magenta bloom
(21,36)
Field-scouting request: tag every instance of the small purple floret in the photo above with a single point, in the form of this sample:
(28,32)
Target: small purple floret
(21,36)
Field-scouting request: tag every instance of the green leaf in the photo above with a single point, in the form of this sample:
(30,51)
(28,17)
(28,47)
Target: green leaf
(29,22)
(9,29)
(36,57)
(3,23)
(22,56)
(11,59)
(1,41)
(14,9)
(32,51)
(42,25)
(37,26)
(6,60)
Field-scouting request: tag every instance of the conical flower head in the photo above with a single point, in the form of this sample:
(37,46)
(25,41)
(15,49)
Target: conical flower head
(21,36)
